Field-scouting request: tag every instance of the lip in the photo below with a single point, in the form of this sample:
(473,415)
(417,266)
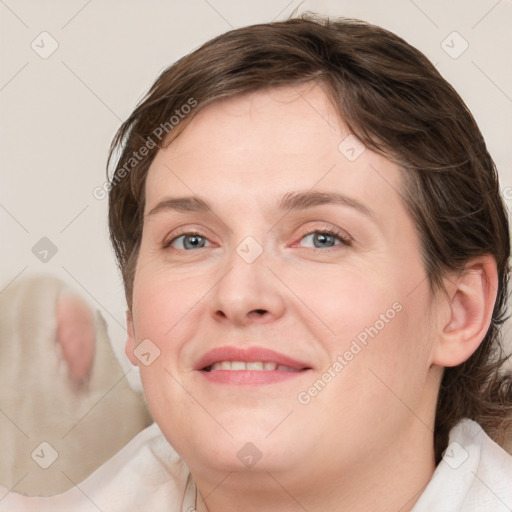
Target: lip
(251,377)
(249,354)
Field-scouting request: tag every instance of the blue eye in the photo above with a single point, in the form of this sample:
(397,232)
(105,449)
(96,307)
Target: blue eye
(190,241)
(326,238)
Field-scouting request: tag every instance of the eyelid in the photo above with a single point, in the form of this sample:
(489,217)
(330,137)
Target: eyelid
(342,235)
(175,237)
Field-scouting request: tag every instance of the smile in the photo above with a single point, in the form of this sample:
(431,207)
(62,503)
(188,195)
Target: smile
(253,365)
(250,365)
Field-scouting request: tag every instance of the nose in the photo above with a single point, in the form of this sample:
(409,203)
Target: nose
(247,292)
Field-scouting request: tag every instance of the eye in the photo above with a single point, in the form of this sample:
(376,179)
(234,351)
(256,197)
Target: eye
(326,238)
(187,241)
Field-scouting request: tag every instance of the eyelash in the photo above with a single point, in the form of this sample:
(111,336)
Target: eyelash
(345,241)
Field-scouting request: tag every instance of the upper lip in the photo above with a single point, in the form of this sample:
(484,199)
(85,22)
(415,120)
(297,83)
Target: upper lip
(228,353)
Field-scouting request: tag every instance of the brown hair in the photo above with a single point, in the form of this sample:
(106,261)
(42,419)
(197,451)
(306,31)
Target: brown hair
(395,101)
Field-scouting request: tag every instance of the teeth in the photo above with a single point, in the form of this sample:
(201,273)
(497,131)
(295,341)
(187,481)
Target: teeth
(252,365)
(284,368)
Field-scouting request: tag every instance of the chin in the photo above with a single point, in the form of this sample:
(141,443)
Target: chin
(249,449)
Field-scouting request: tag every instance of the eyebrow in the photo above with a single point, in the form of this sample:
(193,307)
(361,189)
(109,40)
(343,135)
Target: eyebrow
(290,201)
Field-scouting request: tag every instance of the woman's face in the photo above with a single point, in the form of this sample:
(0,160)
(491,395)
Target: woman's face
(293,239)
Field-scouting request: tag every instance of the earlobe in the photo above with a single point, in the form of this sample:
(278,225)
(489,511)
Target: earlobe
(471,302)
(130,339)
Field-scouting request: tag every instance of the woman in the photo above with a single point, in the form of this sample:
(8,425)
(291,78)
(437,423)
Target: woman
(315,258)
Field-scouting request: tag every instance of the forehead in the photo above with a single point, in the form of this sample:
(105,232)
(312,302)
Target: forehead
(254,148)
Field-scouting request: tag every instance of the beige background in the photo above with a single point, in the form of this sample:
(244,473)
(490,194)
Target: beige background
(59,111)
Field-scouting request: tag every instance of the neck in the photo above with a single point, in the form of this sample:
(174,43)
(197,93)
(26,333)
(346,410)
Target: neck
(386,479)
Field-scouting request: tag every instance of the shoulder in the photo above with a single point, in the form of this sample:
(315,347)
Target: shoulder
(146,474)
(475,474)
(491,487)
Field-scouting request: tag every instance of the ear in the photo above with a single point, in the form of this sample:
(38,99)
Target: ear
(470,302)
(130,339)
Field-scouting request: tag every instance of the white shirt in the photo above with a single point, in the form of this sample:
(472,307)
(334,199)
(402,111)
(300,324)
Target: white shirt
(475,474)
(148,475)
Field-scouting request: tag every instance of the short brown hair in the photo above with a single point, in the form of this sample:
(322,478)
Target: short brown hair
(395,101)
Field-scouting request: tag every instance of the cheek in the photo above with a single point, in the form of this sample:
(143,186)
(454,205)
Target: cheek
(371,322)
(388,359)
(162,301)
(347,300)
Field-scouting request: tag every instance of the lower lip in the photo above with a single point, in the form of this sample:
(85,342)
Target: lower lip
(239,377)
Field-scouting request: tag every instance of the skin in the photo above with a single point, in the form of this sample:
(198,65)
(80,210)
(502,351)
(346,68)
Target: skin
(365,441)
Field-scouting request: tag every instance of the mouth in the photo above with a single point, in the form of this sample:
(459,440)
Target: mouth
(253,365)
(261,366)
(252,358)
